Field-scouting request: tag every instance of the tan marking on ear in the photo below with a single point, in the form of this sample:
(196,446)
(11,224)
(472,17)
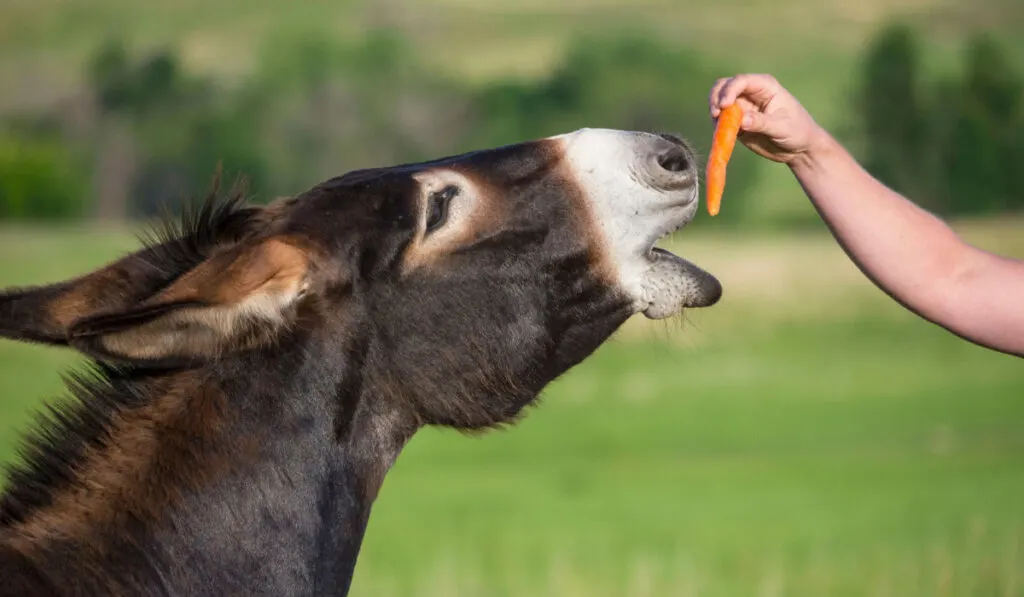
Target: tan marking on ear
(109,286)
(235,289)
(175,335)
(127,281)
(69,306)
(273,265)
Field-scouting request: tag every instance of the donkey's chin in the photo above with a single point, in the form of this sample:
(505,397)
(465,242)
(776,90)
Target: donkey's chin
(673,284)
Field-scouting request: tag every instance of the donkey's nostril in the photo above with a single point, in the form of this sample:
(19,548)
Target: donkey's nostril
(674,160)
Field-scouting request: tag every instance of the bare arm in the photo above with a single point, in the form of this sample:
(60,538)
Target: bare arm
(906,251)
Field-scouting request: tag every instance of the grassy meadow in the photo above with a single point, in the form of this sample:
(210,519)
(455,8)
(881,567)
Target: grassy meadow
(805,437)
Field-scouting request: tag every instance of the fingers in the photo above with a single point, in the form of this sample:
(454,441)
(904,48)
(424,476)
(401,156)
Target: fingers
(757,88)
(716,90)
(755,122)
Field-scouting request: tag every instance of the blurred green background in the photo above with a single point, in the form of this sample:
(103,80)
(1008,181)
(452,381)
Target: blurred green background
(804,437)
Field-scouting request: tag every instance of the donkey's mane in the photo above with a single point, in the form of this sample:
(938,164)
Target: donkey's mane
(177,244)
(60,434)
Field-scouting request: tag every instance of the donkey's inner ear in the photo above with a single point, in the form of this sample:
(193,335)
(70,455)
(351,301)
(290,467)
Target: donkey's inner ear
(235,299)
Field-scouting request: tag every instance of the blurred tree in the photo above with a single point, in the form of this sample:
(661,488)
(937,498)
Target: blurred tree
(955,145)
(184,147)
(122,86)
(39,179)
(984,150)
(328,107)
(162,132)
(125,94)
(893,114)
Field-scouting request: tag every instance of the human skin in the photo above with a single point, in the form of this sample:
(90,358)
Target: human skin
(909,253)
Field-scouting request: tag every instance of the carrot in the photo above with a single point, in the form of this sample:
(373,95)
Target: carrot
(722,145)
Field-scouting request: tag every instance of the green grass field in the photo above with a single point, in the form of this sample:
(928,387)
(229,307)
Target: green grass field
(805,437)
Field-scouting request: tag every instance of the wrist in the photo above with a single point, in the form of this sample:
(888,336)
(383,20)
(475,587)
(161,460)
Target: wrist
(820,145)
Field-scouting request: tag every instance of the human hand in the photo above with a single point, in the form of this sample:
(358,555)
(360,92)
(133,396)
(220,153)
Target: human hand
(775,125)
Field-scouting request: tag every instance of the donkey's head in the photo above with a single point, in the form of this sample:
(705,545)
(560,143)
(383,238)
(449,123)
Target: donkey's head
(460,286)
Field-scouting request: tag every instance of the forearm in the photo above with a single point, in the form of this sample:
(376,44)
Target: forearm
(913,255)
(901,247)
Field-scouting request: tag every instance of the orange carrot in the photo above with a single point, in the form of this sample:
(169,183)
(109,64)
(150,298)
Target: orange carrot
(724,142)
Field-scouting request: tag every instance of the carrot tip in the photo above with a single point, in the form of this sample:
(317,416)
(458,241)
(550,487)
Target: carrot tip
(723,142)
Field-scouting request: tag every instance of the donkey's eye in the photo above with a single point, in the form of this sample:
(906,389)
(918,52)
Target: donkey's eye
(438,208)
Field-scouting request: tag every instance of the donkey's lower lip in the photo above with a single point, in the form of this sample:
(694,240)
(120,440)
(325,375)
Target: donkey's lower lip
(673,284)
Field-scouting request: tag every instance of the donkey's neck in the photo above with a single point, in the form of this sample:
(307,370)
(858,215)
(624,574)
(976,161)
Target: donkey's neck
(255,481)
(291,519)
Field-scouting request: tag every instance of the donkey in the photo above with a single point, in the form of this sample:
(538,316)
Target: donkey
(255,370)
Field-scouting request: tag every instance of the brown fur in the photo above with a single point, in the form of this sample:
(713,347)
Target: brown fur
(151,456)
(602,263)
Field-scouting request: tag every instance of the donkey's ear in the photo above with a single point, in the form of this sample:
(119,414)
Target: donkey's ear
(233,300)
(43,313)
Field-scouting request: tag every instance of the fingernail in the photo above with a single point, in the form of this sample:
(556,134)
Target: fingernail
(748,120)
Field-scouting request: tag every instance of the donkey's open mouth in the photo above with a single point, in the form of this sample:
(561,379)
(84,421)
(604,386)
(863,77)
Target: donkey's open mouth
(643,187)
(673,283)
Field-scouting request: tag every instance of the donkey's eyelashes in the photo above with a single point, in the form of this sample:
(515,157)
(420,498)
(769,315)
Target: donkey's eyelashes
(438,207)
